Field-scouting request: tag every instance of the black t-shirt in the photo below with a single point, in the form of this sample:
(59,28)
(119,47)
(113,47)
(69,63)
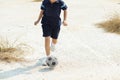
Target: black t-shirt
(52,10)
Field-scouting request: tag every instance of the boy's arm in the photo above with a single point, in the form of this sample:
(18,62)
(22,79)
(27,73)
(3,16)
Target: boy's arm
(39,18)
(65,18)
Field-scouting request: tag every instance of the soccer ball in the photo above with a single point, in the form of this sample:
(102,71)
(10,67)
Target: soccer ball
(51,61)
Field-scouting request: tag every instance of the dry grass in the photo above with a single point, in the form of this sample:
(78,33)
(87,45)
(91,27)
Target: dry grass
(37,0)
(111,25)
(12,52)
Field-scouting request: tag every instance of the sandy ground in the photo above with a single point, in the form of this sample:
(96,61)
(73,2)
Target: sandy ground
(84,51)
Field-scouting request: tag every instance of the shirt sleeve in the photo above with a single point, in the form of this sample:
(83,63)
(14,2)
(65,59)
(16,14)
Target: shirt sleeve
(63,5)
(43,5)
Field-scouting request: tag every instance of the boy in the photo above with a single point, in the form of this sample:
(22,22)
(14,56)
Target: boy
(51,22)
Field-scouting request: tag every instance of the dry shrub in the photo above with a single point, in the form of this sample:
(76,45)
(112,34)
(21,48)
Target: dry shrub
(12,52)
(111,25)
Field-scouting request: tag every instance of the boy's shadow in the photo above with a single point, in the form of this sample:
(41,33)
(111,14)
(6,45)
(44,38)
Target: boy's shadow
(18,71)
(46,69)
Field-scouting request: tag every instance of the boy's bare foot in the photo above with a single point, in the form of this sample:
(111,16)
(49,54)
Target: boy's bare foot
(44,62)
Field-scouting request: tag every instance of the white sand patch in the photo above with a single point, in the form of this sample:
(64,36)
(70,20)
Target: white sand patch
(84,52)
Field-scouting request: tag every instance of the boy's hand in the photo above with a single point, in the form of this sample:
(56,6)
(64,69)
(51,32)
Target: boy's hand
(65,23)
(36,22)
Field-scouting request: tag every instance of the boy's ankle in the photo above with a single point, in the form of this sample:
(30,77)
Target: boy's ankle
(48,56)
(53,44)
(52,48)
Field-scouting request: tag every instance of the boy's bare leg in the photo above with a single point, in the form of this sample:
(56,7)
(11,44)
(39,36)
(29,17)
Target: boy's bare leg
(47,49)
(54,41)
(47,45)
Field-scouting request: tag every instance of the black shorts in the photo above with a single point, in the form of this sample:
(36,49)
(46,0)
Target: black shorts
(51,30)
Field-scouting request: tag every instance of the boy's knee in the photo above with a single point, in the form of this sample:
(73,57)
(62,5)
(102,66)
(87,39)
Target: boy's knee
(47,37)
(54,41)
